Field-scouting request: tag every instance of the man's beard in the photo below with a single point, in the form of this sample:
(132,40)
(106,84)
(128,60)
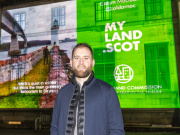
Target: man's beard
(82,74)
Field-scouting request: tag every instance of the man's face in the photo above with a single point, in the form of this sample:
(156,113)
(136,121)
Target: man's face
(82,62)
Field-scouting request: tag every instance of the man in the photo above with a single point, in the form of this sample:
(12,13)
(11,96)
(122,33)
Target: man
(54,44)
(45,53)
(86,105)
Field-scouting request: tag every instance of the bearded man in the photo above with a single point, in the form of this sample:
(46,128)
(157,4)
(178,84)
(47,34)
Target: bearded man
(86,105)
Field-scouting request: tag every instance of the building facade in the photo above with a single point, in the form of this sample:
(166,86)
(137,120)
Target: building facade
(37,21)
(135,49)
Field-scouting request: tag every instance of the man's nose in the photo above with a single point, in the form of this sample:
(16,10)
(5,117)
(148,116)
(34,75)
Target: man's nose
(81,61)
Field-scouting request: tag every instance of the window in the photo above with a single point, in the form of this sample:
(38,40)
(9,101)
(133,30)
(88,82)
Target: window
(104,66)
(21,19)
(103,11)
(153,7)
(157,65)
(59,15)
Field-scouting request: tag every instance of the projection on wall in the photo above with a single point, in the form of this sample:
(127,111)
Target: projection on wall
(133,44)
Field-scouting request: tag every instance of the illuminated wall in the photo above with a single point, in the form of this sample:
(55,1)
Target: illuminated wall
(25,80)
(36,21)
(133,44)
(134,48)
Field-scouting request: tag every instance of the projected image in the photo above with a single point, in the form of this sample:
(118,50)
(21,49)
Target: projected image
(133,44)
(36,45)
(134,49)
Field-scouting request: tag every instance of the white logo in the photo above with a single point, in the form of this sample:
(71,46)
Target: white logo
(123,73)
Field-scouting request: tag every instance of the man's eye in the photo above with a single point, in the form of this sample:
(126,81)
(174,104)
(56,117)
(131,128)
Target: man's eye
(86,58)
(76,58)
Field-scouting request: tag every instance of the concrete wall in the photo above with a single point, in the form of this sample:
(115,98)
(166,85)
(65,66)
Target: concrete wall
(11,66)
(144,118)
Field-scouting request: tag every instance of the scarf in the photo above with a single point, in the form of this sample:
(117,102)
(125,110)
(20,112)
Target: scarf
(77,100)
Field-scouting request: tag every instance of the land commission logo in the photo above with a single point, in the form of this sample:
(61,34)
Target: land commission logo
(123,73)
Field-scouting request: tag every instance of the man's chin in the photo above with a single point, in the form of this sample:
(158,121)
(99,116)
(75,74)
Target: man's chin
(81,71)
(82,74)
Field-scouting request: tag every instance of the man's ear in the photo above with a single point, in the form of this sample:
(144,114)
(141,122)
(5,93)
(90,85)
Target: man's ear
(71,62)
(93,62)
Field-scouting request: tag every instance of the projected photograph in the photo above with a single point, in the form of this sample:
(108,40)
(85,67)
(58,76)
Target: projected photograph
(36,46)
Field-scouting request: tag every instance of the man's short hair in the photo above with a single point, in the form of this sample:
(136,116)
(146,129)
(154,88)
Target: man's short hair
(81,45)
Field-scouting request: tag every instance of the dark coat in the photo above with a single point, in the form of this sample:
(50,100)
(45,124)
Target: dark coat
(102,110)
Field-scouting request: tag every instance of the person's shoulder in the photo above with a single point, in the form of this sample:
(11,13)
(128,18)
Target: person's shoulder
(64,92)
(103,84)
(105,88)
(67,86)
(65,89)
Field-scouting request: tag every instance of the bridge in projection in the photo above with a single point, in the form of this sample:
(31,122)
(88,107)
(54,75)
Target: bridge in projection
(10,25)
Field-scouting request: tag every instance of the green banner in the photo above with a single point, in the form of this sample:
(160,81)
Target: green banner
(134,49)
